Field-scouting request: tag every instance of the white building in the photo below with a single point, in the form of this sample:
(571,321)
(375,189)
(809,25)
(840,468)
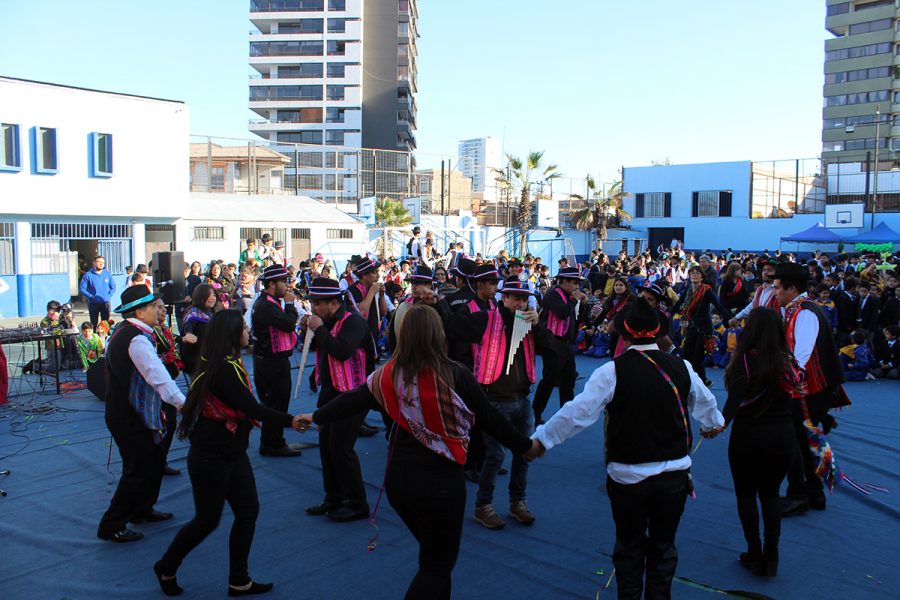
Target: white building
(477,159)
(86,172)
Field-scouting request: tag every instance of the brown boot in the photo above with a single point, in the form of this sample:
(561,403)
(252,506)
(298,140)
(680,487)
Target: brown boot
(486,516)
(519,511)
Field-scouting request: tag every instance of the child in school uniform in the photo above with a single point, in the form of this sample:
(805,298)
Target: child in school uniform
(856,358)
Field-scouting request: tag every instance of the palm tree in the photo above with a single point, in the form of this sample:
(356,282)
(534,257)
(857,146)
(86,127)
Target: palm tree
(390,214)
(524,174)
(605,209)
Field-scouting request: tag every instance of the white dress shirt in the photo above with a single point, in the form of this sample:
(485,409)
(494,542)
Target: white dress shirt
(585,409)
(146,361)
(765,293)
(806,330)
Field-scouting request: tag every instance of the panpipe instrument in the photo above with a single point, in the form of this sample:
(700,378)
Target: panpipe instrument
(521,327)
(307,343)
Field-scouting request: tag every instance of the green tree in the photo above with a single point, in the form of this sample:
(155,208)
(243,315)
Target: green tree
(604,209)
(522,175)
(390,214)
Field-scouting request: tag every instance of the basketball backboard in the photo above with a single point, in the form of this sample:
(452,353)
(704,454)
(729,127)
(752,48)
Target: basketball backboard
(844,216)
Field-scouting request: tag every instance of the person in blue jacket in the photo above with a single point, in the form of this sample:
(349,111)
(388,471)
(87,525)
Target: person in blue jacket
(98,287)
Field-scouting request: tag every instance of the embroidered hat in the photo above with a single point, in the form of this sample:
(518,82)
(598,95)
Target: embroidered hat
(464,267)
(365,266)
(485,272)
(422,275)
(135,297)
(638,322)
(569,273)
(788,271)
(514,285)
(274,273)
(654,289)
(324,288)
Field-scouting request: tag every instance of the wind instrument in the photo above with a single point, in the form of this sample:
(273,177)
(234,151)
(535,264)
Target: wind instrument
(521,327)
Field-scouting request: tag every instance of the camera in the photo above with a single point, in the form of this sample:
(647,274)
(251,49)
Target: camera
(65,308)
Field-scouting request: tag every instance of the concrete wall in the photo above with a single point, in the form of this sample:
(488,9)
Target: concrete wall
(9,300)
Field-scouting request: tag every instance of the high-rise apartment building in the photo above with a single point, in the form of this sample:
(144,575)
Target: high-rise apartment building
(860,80)
(335,73)
(477,159)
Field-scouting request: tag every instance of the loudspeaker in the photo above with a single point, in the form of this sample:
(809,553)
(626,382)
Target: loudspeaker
(168,276)
(96,378)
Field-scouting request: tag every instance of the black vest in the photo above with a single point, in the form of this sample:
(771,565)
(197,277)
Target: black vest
(826,348)
(644,421)
(120,416)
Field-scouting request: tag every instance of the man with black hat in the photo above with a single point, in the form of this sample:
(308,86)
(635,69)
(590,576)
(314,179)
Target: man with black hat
(657,299)
(809,339)
(646,395)
(560,317)
(462,271)
(344,358)
(421,292)
(138,384)
(492,334)
(484,283)
(367,294)
(414,247)
(274,320)
(763,296)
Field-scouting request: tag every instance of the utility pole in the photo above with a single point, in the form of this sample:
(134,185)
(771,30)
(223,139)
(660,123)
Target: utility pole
(442,187)
(875,183)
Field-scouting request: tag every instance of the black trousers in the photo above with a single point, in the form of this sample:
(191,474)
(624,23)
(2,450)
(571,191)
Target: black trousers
(434,516)
(695,351)
(760,455)
(171,414)
(98,310)
(272,378)
(341,475)
(646,515)
(803,483)
(559,371)
(215,480)
(138,489)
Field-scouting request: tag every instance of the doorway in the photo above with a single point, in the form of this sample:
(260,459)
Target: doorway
(663,236)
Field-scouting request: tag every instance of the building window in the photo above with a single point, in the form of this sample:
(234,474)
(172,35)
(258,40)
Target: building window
(711,204)
(859,51)
(10,154)
(102,155)
(337,136)
(337,25)
(299,233)
(858,75)
(208,234)
(304,71)
(305,48)
(217,178)
(339,234)
(286,5)
(874,4)
(335,92)
(7,248)
(336,71)
(858,98)
(861,120)
(303,26)
(655,204)
(43,150)
(403,29)
(286,92)
(336,47)
(337,5)
(301,137)
(870,26)
(837,9)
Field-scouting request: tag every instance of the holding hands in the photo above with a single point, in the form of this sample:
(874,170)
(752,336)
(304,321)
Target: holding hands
(711,433)
(189,338)
(302,422)
(537,450)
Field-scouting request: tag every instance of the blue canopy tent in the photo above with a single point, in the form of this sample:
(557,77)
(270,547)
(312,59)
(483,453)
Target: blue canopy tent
(817,234)
(882,234)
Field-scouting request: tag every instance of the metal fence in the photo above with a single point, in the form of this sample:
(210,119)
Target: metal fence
(852,179)
(782,188)
(335,174)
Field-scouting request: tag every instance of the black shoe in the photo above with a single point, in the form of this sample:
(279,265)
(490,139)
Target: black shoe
(345,514)
(791,507)
(170,471)
(471,475)
(255,588)
(828,423)
(123,536)
(817,501)
(502,471)
(286,450)
(169,587)
(321,509)
(154,516)
(707,382)
(770,555)
(366,430)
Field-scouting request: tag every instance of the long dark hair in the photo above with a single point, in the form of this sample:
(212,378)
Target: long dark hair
(200,295)
(222,340)
(422,345)
(762,342)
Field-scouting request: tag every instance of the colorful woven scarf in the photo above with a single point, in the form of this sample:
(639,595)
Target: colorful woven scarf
(146,401)
(216,410)
(692,301)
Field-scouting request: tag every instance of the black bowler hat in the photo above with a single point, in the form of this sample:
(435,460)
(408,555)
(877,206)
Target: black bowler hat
(788,271)
(366,266)
(486,272)
(464,267)
(569,273)
(654,289)
(639,322)
(514,285)
(422,275)
(135,297)
(274,273)
(324,288)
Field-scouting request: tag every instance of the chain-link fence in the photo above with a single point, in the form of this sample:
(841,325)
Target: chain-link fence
(335,174)
(782,188)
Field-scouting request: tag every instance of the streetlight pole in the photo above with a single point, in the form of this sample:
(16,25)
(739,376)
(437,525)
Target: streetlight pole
(875,183)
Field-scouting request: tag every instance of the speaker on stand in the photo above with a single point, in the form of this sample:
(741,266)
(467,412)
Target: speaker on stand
(168,279)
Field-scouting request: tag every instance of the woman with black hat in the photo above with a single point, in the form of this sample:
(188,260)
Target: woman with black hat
(646,395)
(616,302)
(561,319)
(274,319)
(218,416)
(695,303)
(138,384)
(345,356)
(657,299)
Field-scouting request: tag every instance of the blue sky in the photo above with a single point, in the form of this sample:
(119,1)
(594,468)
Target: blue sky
(595,83)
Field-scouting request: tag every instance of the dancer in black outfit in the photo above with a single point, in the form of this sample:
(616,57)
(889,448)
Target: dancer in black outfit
(425,483)
(760,381)
(219,413)
(696,324)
